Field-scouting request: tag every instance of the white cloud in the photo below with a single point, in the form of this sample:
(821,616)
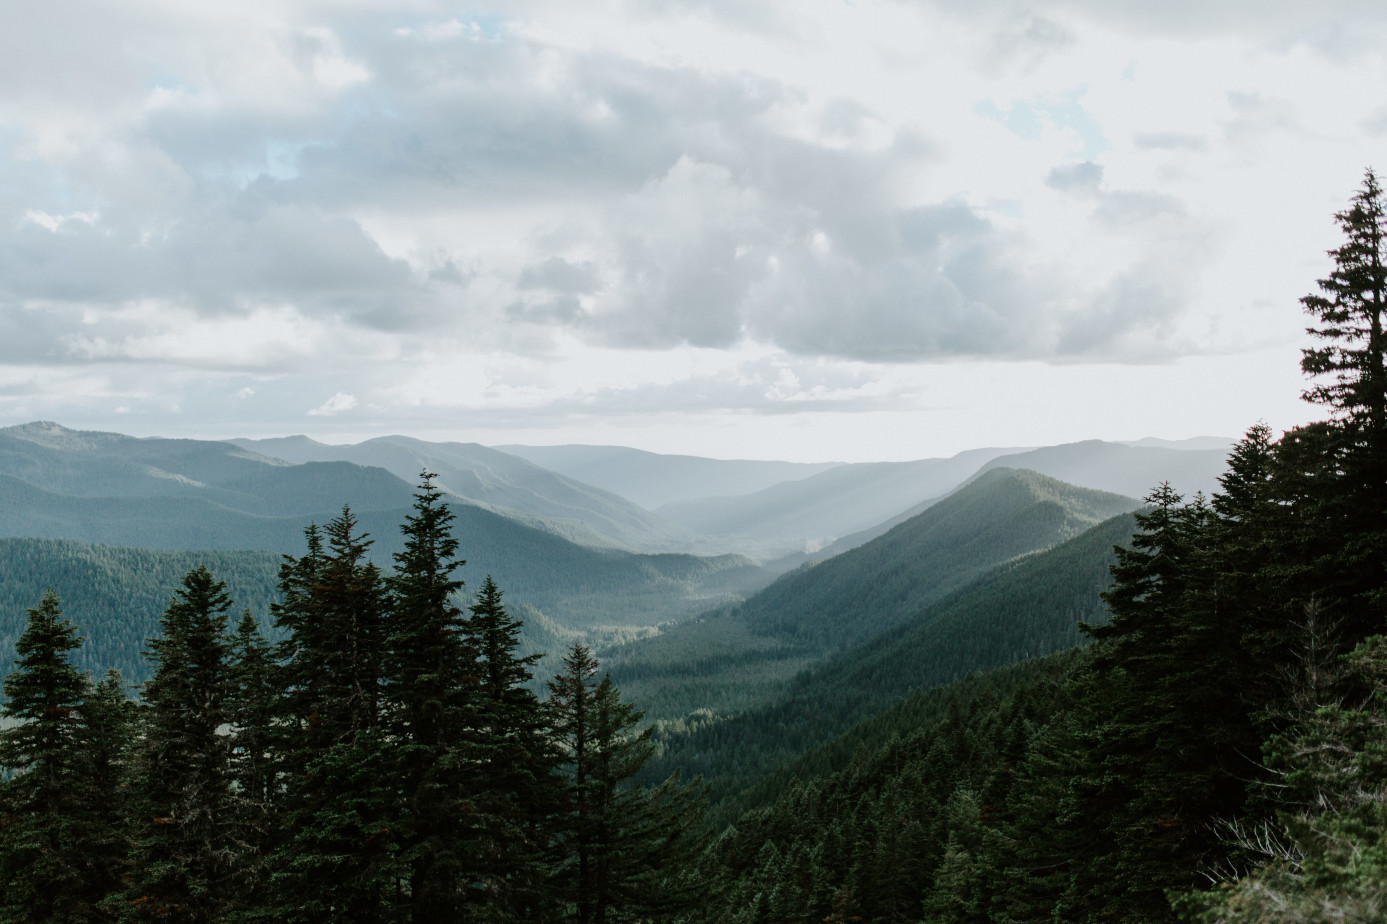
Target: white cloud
(337,404)
(327,195)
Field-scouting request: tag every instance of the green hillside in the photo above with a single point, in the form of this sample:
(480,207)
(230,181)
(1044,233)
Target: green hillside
(116,593)
(731,660)
(87,464)
(1023,610)
(870,824)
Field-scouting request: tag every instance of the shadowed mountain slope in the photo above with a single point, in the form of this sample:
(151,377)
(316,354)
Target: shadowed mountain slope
(1003,514)
(110,465)
(575,584)
(580,511)
(1026,609)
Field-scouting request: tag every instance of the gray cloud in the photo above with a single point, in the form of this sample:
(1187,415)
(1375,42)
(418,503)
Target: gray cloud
(687,214)
(1169,141)
(1081,178)
(558,275)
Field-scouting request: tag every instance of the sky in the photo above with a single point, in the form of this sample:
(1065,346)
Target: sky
(811,230)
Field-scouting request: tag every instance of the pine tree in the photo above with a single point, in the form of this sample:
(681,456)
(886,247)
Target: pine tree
(109,720)
(185,855)
(627,849)
(1350,372)
(1165,727)
(338,857)
(252,701)
(46,810)
(430,690)
(515,762)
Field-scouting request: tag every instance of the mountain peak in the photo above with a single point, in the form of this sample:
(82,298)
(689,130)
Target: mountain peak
(55,436)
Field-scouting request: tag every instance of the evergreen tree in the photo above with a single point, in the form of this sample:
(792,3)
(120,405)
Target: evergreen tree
(338,858)
(1325,857)
(1350,370)
(109,721)
(185,847)
(1165,728)
(627,849)
(47,808)
(515,761)
(252,701)
(430,690)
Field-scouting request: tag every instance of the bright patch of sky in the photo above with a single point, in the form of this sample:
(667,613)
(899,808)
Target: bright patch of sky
(883,229)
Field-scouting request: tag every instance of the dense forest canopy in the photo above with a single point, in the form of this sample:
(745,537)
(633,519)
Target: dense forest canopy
(1215,753)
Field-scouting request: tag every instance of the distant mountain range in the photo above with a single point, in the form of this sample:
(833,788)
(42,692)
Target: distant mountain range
(654,480)
(817,510)
(505,483)
(181,496)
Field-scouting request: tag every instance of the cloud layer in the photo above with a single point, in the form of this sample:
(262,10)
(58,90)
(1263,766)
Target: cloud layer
(354,203)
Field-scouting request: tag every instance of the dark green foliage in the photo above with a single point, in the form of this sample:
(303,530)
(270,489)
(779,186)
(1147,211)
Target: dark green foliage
(430,692)
(1349,367)
(1324,857)
(55,839)
(252,706)
(119,592)
(899,820)
(623,846)
(110,720)
(183,815)
(339,858)
(518,792)
(1025,609)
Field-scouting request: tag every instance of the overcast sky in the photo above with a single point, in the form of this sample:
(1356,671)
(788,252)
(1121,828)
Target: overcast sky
(814,229)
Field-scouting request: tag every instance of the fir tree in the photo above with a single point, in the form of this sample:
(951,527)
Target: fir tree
(430,690)
(47,808)
(109,721)
(515,762)
(252,701)
(185,856)
(338,857)
(1349,368)
(627,849)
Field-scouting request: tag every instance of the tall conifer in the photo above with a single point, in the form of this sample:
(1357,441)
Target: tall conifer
(47,805)
(430,690)
(515,762)
(183,824)
(338,859)
(626,848)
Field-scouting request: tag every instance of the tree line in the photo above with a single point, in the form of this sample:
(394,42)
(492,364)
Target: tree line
(386,760)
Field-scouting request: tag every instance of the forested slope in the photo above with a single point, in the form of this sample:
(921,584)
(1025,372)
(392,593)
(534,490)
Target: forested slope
(115,595)
(87,464)
(565,591)
(1026,609)
(733,660)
